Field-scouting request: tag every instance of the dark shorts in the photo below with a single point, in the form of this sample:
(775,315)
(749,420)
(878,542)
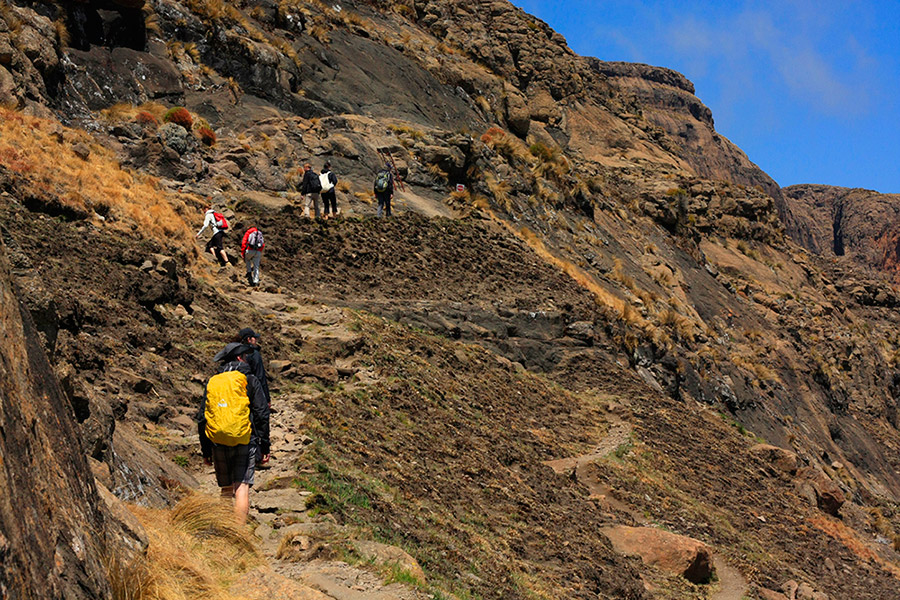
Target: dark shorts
(216,241)
(234,464)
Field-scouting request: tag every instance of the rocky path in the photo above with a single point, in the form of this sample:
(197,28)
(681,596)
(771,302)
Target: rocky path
(298,545)
(304,550)
(730,583)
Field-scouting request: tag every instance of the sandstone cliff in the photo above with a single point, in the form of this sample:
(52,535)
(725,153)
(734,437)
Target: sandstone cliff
(856,223)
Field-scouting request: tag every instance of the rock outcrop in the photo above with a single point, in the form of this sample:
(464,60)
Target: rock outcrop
(52,529)
(676,554)
(863,225)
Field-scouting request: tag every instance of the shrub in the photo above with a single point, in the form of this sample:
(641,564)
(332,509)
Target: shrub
(145,119)
(207,136)
(180,116)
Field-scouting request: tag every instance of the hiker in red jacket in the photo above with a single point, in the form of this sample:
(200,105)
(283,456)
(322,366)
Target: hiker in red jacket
(251,251)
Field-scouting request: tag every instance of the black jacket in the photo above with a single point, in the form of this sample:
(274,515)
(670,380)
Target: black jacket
(257,368)
(310,183)
(259,412)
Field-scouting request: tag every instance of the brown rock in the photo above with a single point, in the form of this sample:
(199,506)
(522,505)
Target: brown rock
(81,150)
(789,588)
(265,584)
(670,552)
(781,459)
(390,555)
(766,594)
(325,373)
(132,536)
(279,366)
(6,52)
(829,497)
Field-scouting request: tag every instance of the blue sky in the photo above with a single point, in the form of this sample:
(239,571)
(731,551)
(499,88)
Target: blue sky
(810,90)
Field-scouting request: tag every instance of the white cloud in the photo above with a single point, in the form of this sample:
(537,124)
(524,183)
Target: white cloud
(800,51)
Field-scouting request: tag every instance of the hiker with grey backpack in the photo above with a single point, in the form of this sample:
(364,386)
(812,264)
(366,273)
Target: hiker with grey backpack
(384,190)
(251,251)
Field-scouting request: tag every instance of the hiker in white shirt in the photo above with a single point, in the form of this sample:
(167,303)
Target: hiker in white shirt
(217,223)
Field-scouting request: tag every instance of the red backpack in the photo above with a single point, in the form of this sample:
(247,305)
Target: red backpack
(221,223)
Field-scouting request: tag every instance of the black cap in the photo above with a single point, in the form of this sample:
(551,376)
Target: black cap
(231,351)
(246,332)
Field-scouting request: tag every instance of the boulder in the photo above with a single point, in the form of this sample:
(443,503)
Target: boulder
(778,458)
(174,136)
(290,499)
(327,374)
(131,534)
(829,497)
(390,555)
(279,366)
(670,552)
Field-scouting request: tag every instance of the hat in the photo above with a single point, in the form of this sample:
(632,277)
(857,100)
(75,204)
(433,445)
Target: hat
(231,351)
(246,332)
(327,164)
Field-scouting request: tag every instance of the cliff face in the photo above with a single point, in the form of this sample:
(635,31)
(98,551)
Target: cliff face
(52,530)
(859,224)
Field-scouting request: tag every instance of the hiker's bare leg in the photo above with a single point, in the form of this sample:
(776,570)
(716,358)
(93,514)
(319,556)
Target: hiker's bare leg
(227,491)
(242,502)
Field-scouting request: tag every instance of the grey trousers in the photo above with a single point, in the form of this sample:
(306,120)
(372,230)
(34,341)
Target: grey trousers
(313,199)
(252,259)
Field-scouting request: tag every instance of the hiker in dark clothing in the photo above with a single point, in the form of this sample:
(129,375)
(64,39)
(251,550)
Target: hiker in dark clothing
(254,359)
(310,188)
(329,195)
(384,190)
(233,425)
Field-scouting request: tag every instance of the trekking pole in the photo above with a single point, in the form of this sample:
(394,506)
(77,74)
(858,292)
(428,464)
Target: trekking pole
(388,158)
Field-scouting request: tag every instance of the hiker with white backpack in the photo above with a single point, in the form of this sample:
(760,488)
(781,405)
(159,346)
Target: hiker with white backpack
(251,251)
(217,222)
(310,187)
(328,180)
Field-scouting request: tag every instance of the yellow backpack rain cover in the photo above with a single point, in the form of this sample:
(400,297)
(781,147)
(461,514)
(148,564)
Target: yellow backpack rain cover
(228,409)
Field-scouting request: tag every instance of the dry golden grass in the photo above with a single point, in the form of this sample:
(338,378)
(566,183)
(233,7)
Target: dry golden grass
(195,551)
(682,326)
(368,196)
(500,191)
(601,295)
(40,153)
(412,132)
(508,146)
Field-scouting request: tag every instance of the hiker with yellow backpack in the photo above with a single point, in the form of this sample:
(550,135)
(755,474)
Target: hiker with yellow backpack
(234,426)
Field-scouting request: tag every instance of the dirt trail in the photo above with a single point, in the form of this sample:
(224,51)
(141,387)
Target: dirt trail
(290,537)
(731,584)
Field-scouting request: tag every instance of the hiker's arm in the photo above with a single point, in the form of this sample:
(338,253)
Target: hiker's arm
(259,412)
(208,221)
(205,444)
(244,242)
